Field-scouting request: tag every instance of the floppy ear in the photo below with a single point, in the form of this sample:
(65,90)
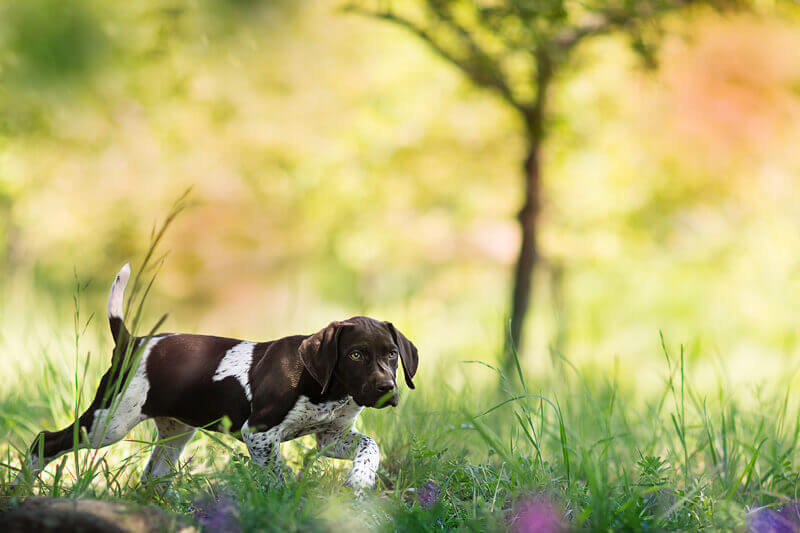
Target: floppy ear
(408,354)
(319,353)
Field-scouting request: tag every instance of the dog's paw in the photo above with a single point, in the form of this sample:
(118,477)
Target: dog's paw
(361,487)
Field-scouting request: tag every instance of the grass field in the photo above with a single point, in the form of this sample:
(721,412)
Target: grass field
(569,446)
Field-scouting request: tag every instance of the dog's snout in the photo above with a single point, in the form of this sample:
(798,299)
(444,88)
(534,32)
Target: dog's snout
(386,385)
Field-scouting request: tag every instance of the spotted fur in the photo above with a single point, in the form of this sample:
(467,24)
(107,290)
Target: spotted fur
(356,446)
(328,421)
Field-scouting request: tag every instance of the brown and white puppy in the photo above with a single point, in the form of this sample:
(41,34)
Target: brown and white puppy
(270,392)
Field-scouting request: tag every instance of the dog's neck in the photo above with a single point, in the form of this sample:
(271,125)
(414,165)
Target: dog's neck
(336,391)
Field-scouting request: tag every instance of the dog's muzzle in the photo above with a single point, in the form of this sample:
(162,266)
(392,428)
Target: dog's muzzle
(386,393)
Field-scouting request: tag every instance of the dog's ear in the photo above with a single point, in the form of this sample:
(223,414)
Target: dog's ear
(320,351)
(408,354)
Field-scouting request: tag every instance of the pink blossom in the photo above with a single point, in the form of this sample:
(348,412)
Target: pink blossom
(535,515)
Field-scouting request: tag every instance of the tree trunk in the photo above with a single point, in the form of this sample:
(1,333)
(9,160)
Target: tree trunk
(528,251)
(529,214)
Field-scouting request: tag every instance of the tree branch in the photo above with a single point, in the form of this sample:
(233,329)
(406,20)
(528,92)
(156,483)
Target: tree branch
(609,20)
(488,76)
(593,25)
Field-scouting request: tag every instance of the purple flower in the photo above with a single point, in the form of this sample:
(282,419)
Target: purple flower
(217,514)
(783,520)
(428,495)
(535,515)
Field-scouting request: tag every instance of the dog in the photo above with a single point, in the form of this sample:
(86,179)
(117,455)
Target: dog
(265,393)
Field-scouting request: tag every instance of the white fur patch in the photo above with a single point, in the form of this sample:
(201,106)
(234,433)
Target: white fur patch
(236,363)
(110,425)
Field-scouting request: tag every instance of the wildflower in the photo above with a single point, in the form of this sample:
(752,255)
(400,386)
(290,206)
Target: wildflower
(535,515)
(217,514)
(428,495)
(769,520)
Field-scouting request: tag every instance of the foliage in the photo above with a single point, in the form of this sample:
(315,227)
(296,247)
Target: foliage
(325,186)
(516,49)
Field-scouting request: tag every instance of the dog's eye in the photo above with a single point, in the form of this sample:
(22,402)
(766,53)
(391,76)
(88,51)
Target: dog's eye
(393,354)
(356,356)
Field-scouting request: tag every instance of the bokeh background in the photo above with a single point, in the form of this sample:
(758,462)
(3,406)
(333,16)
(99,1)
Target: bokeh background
(338,167)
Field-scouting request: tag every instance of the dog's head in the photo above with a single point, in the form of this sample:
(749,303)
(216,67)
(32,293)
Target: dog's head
(361,355)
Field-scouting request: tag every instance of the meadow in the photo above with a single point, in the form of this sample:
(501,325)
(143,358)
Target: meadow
(571,447)
(338,167)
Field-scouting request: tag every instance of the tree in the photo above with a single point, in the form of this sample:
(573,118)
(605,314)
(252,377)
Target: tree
(516,48)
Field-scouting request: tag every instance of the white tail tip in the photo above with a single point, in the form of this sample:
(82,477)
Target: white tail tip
(115,296)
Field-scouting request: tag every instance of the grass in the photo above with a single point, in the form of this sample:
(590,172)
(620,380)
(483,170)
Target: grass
(609,457)
(577,444)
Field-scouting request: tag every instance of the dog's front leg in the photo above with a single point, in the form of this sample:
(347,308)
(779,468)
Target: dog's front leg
(265,450)
(351,444)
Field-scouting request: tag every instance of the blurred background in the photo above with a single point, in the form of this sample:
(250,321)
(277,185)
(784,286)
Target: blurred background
(339,167)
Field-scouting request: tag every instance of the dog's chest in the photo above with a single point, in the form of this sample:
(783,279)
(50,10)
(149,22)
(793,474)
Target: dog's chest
(306,417)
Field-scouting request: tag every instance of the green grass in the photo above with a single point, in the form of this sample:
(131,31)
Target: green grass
(609,455)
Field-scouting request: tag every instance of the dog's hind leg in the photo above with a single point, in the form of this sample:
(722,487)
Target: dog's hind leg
(105,422)
(173,436)
(49,445)
(95,424)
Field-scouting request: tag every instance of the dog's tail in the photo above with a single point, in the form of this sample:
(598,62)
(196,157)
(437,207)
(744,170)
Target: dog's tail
(115,298)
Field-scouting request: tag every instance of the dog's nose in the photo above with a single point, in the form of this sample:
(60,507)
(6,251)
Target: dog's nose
(386,386)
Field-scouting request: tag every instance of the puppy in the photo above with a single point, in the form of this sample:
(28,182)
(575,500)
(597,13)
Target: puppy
(265,392)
